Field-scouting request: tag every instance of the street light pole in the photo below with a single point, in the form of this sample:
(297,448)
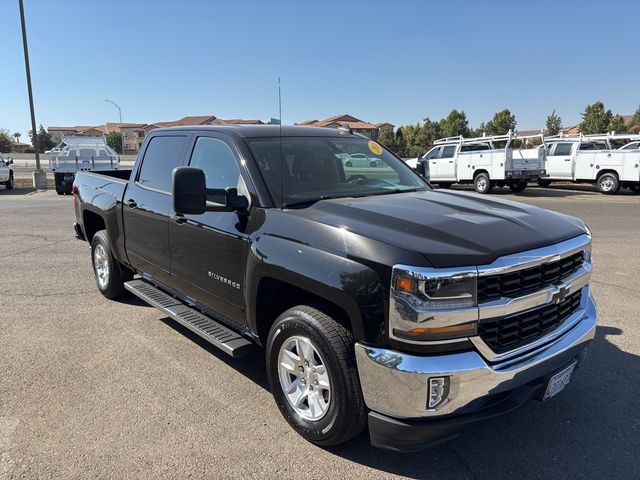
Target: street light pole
(39,177)
(121,132)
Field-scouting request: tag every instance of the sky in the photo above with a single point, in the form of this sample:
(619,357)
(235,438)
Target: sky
(381,61)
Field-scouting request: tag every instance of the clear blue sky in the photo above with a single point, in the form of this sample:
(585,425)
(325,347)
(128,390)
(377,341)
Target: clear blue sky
(395,61)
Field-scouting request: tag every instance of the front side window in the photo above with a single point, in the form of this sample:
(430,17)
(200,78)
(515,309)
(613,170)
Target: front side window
(219,164)
(433,153)
(302,170)
(163,154)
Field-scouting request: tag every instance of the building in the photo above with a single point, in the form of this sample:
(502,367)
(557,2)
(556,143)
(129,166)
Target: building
(133,133)
(371,130)
(575,129)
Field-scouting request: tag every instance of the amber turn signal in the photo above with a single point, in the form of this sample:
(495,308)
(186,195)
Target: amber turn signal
(437,333)
(405,284)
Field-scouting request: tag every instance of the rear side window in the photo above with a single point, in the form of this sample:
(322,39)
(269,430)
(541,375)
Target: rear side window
(563,149)
(448,151)
(162,155)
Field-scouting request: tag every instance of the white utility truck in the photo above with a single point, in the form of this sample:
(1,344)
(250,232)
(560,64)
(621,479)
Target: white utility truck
(80,154)
(592,159)
(6,172)
(487,162)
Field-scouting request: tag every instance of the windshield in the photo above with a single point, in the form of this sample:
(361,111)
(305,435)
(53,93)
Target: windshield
(321,168)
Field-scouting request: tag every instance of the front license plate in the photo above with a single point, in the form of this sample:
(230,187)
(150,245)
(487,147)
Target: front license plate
(558,382)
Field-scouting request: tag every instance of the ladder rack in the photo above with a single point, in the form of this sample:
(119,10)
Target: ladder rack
(594,137)
(508,137)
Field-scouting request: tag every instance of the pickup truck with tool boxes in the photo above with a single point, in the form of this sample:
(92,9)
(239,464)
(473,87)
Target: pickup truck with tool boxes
(378,300)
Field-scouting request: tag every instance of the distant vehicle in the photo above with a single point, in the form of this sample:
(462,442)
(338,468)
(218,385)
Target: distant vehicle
(591,159)
(6,172)
(482,162)
(359,160)
(80,154)
(631,146)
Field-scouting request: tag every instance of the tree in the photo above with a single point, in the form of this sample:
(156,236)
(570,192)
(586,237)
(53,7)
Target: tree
(455,124)
(617,124)
(501,123)
(595,119)
(114,140)
(44,140)
(553,124)
(17,136)
(6,143)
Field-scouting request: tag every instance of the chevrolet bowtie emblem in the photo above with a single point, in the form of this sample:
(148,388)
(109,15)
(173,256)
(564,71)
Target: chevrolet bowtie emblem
(561,294)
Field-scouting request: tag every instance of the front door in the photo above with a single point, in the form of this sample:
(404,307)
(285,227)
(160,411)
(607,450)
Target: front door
(208,251)
(147,204)
(432,157)
(559,161)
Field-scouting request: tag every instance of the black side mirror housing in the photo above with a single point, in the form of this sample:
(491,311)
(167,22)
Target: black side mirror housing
(190,194)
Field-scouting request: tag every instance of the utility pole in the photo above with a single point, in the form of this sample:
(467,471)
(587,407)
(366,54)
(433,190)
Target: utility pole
(39,177)
(121,132)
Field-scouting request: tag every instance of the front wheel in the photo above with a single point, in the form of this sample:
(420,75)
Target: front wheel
(482,183)
(110,275)
(518,187)
(608,183)
(9,183)
(544,183)
(313,377)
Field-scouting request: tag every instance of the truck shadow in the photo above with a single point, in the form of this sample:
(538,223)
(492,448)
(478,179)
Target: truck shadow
(16,192)
(590,430)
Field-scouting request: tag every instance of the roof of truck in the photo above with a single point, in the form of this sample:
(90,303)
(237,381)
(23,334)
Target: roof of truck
(256,131)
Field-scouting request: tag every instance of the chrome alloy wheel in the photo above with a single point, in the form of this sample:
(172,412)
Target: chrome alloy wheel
(304,378)
(482,184)
(101,266)
(607,184)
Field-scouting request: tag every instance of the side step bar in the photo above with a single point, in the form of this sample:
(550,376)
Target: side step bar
(215,333)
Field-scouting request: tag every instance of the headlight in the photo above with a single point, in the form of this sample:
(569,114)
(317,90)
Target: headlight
(440,304)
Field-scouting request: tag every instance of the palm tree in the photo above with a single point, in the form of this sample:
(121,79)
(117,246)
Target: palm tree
(17,136)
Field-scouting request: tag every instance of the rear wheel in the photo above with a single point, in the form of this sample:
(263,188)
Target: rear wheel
(313,377)
(518,186)
(9,183)
(482,183)
(608,183)
(110,274)
(635,188)
(544,183)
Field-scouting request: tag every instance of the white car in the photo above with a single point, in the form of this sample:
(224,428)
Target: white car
(483,163)
(590,159)
(359,160)
(6,172)
(631,146)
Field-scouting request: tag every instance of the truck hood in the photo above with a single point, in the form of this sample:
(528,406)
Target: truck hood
(449,228)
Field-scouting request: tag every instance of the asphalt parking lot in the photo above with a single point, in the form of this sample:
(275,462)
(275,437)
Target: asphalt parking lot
(103,389)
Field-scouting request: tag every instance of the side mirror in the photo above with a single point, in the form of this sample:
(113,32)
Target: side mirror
(190,194)
(10,161)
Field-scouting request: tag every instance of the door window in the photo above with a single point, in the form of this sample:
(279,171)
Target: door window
(434,153)
(563,149)
(163,154)
(219,164)
(448,151)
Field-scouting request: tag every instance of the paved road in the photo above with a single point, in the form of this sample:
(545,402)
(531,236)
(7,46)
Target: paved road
(94,388)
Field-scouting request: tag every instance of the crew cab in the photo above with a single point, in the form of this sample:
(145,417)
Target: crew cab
(591,159)
(482,162)
(378,300)
(6,172)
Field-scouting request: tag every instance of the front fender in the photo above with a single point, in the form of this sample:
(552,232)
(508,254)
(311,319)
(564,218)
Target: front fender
(352,286)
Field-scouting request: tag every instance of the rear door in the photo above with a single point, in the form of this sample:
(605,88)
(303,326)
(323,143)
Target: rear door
(147,204)
(559,160)
(209,251)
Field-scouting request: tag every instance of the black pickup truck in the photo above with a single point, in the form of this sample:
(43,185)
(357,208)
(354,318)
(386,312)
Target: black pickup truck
(378,300)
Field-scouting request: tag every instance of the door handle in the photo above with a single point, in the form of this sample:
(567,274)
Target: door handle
(179,219)
(567,159)
(450,161)
(131,203)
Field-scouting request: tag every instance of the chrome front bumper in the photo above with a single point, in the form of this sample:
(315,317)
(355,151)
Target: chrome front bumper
(395,383)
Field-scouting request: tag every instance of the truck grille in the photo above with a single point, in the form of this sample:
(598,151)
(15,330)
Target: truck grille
(508,333)
(521,282)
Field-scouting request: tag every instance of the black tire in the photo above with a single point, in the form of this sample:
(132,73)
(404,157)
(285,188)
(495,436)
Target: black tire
(635,188)
(544,183)
(482,183)
(444,185)
(608,183)
(117,274)
(59,191)
(518,187)
(346,414)
(10,183)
